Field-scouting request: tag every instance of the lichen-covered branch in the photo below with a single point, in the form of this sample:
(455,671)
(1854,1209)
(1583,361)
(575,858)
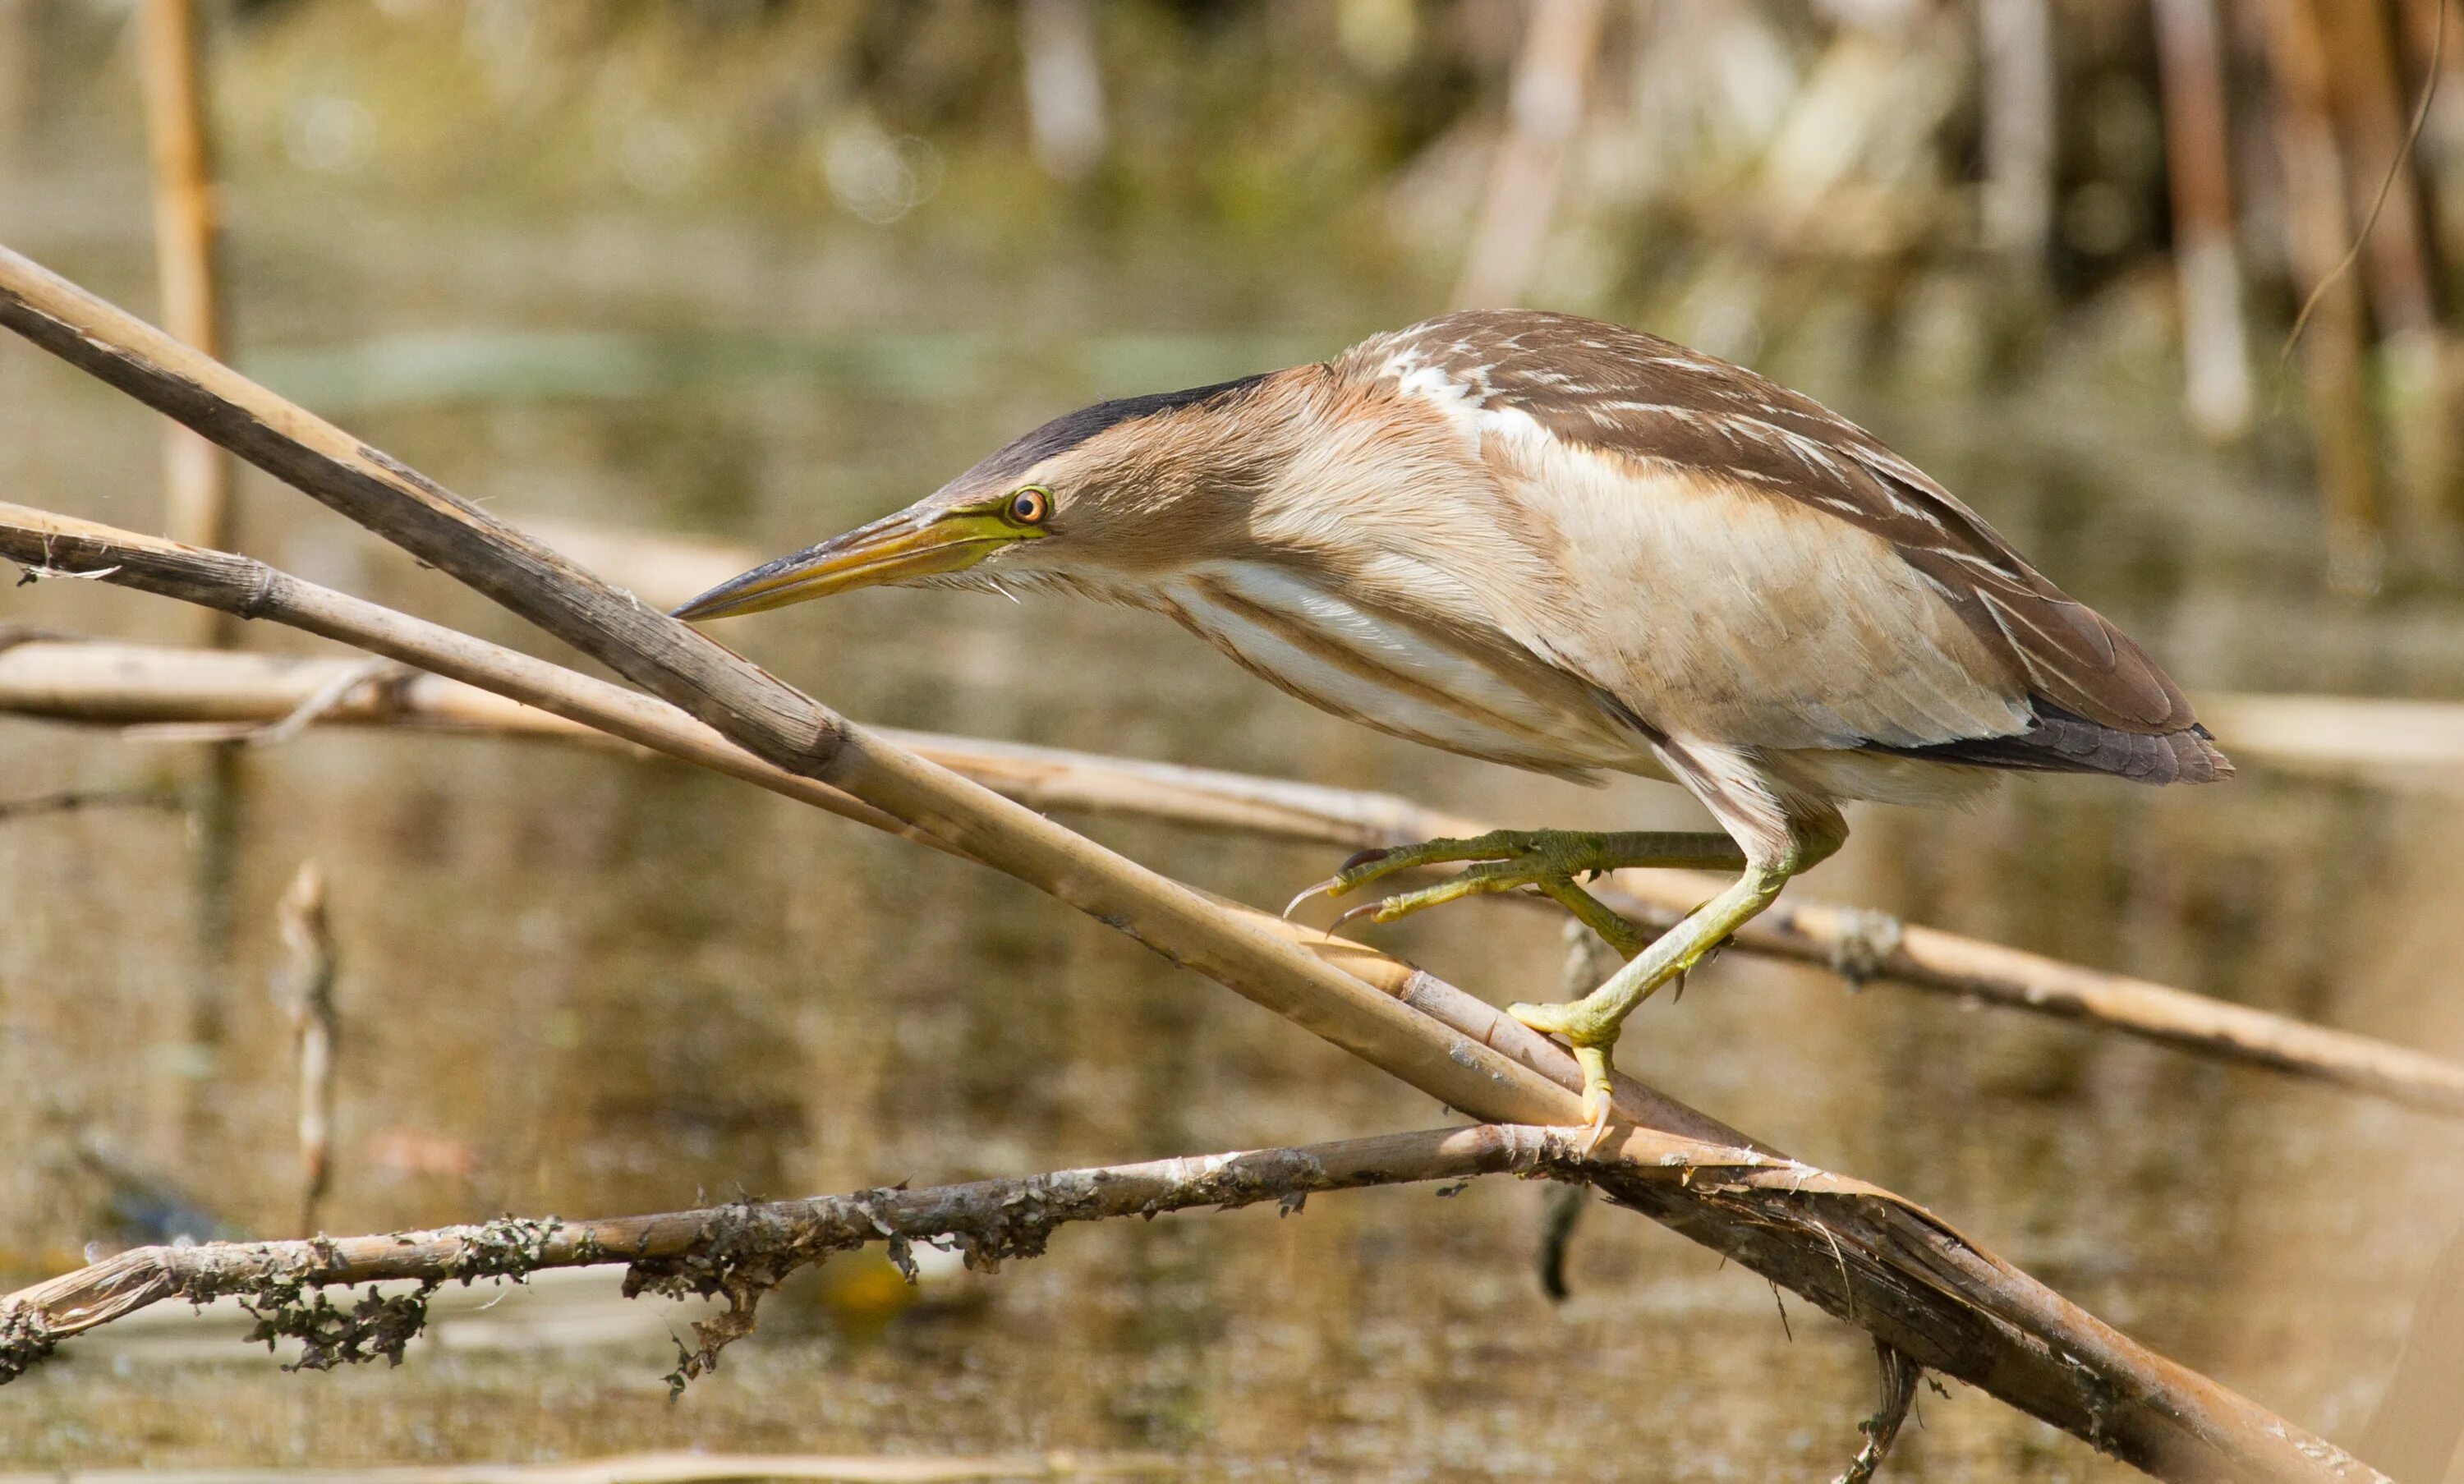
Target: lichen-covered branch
(739,1251)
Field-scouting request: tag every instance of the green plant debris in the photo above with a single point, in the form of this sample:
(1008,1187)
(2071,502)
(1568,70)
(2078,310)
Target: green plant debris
(377,1325)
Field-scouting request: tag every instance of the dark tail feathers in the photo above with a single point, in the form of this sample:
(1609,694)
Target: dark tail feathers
(2060,742)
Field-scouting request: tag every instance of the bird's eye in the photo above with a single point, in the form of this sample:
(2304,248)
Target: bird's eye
(1029,506)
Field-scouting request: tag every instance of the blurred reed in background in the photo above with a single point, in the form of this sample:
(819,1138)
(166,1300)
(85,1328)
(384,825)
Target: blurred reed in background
(1957,189)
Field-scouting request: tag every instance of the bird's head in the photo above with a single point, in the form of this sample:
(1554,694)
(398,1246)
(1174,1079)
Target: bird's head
(1103,498)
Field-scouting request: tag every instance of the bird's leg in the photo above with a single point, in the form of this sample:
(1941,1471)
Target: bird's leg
(1542,861)
(1590,1024)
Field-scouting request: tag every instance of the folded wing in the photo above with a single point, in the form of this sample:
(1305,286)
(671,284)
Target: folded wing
(2092,699)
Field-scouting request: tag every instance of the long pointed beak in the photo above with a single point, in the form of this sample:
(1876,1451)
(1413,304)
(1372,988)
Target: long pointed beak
(892,549)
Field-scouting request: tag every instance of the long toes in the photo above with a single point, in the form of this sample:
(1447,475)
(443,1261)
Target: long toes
(1395,908)
(1503,861)
(1378,862)
(1358,871)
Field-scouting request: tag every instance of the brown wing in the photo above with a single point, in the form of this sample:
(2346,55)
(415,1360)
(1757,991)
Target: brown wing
(1646,398)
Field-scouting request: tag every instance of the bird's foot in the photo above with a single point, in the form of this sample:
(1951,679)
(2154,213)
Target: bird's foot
(1589,1027)
(1546,862)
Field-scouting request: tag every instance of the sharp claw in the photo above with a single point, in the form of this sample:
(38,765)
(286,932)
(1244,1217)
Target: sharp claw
(1312,889)
(1598,1106)
(1364,909)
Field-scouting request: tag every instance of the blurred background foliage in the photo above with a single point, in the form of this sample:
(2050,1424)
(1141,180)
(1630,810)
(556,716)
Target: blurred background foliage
(1933,194)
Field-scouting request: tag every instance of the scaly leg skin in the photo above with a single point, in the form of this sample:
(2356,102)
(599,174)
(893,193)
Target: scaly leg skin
(1543,860)
(1590,1024)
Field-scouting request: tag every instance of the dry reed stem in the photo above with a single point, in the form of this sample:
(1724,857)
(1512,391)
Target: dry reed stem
(1870,1259)
(2380,128)
(197,482)
(188,694)
(187,228)
(2315,225)
(304,990)
(2019,129)
(1561,45)
(2355,738)
(2206,265)
(1063,78)
(2415,1429)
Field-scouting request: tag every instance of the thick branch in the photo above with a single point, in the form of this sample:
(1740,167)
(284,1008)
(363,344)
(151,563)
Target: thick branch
(195,694)
(1902,1277)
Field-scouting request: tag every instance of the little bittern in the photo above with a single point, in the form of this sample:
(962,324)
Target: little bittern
(1568,546)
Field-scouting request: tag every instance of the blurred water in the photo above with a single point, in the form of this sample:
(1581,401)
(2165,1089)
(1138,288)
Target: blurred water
(588,984)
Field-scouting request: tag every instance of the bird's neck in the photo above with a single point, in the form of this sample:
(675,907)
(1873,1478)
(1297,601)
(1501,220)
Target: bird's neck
(1332,482)
(1385,497)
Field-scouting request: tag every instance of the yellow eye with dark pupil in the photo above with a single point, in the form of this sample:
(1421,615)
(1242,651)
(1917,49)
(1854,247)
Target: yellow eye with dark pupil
(1029,506)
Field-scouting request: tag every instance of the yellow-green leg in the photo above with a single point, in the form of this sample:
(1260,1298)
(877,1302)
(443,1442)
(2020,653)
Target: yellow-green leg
(1548,862)
(1543,860)
(1590,1024)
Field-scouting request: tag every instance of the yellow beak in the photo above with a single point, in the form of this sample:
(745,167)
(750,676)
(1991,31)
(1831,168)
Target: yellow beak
(894,549)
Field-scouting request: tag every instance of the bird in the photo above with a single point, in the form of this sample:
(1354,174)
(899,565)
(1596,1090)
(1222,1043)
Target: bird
(1568,546)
